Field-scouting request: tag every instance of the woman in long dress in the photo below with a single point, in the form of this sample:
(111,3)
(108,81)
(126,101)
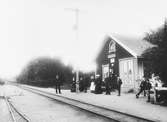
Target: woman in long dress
(92,86)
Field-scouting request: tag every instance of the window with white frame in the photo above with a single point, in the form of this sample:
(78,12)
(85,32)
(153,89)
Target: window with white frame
(111,46)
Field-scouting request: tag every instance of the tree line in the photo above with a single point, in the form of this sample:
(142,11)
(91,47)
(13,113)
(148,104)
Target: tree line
(156,57)
(42,71)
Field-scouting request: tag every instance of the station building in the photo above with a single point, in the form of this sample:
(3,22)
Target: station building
(122,56)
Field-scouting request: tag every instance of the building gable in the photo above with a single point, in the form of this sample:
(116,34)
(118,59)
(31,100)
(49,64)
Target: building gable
(134,45)
(122,45)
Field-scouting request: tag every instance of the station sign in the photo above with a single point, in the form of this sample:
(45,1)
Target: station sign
(111,56)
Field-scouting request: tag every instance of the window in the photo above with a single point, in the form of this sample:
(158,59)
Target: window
(125,67)
(112,46)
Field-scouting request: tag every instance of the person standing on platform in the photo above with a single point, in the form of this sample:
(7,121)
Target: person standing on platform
(92,85)
(148,88)
(113,82)
(77,86)
(119,83)
(81,84)
(98,82)
(85,83)
(142,88)
(58,89)
(73,86)
(107,85)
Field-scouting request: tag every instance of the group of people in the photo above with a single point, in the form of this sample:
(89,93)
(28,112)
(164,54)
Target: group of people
(110,83)
(145,86)
(98,86)
(148,86)
(80,85)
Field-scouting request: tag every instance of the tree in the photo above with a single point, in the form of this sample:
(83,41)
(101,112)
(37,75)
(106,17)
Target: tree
(157,56)
(43,70)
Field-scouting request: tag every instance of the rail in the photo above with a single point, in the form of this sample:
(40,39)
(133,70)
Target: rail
(15,113)
(98,110)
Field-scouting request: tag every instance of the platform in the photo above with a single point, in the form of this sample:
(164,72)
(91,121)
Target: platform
(125,103)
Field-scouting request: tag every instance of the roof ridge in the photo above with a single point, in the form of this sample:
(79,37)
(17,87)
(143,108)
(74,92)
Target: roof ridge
(123,45)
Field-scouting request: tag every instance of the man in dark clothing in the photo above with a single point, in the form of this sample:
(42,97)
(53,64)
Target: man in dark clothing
(73,86)
(107,85)
(58,84)
(81,85)
(119,83)
(142,88)
(98,83)
(148,87)
(113,82)
(85,83)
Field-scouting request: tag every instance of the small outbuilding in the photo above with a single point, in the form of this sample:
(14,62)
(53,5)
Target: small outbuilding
(122,56)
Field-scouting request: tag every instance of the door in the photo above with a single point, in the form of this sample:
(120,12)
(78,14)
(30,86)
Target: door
(105,71)
(126,72)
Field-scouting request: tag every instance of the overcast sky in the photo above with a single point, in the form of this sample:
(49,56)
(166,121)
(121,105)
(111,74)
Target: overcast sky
(32,28)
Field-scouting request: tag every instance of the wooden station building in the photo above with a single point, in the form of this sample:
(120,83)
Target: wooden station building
(122,56)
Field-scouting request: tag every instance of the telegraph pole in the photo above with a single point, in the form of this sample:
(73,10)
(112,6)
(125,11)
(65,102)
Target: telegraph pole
(76,28)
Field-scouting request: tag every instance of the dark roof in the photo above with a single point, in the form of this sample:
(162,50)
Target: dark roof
(135,46)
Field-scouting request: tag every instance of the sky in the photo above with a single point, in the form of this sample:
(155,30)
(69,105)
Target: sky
(33,28)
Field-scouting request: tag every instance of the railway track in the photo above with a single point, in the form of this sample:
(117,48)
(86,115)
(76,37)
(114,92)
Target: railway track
(98,110)
(17,115)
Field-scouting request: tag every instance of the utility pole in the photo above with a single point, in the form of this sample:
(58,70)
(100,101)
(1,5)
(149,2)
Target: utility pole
(76,28)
